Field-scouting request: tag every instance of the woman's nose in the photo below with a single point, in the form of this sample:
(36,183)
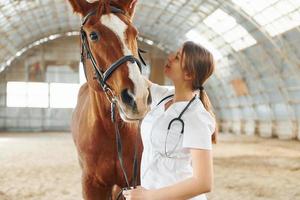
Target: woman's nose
(171,57)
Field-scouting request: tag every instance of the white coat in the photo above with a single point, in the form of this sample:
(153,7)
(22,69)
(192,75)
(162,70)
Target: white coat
(158,170)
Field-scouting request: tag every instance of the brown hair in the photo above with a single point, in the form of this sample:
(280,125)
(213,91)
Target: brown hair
(200,63)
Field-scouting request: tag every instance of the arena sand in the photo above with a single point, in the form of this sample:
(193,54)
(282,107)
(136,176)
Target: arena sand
(44,166)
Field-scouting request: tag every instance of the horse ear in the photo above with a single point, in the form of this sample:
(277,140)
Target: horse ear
(131,8)
(127,5)
(82,6)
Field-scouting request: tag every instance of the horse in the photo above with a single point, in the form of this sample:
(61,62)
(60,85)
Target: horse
(109,55)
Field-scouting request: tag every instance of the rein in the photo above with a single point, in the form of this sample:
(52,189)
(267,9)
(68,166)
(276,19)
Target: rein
(102,78)
(120,156)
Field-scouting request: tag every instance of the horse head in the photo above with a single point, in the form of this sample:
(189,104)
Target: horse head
(111,39)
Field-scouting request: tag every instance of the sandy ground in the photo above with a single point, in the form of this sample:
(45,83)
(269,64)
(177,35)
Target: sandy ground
(43,166)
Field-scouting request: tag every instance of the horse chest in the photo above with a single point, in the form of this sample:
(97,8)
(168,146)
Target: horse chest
(95,141)
(99,155)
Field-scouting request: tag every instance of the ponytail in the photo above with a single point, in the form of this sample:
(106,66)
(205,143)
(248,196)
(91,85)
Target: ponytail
(207,105)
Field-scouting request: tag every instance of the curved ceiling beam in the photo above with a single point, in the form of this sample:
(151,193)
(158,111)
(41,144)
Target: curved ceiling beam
(274,69)
(33,44)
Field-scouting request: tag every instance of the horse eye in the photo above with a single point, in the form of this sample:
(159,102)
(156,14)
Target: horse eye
(94,36)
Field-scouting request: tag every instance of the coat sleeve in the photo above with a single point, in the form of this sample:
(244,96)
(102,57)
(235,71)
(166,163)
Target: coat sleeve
(198,130)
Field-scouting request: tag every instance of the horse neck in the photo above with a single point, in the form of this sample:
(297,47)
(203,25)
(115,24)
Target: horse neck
(100,111)
(99,105)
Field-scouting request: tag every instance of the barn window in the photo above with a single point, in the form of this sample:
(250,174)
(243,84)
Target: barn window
(232,32)
(27,94)
(63,95)
(276,16)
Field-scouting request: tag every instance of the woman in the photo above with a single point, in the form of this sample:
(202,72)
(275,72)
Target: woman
(177,157)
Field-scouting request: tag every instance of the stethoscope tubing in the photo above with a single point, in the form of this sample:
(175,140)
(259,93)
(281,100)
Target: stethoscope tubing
(177,119)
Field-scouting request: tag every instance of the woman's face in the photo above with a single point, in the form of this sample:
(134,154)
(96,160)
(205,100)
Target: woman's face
(173,69)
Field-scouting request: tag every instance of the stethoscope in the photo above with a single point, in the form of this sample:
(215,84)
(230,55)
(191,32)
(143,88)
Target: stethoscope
(168,154)
(175,120)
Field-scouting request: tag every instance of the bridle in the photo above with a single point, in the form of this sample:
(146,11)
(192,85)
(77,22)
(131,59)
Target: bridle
(102,78)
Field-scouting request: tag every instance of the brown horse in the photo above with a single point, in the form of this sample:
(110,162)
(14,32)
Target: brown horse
(107,37)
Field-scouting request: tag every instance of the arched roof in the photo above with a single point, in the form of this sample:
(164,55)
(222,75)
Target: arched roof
(256,43)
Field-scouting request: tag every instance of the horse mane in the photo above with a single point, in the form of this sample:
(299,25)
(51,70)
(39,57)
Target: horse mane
(103,7)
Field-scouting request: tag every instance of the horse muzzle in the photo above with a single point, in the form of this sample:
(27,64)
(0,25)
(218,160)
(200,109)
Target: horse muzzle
(133,108)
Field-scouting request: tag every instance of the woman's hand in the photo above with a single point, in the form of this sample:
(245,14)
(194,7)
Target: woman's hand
(139,193)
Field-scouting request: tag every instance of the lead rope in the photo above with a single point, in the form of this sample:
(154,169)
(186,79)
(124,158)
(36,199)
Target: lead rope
(119,151)
(135,161)
(118,140)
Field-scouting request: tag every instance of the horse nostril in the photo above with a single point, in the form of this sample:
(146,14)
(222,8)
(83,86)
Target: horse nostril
(127,98)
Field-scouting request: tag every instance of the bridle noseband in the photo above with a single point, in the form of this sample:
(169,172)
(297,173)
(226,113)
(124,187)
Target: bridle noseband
(101,76)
